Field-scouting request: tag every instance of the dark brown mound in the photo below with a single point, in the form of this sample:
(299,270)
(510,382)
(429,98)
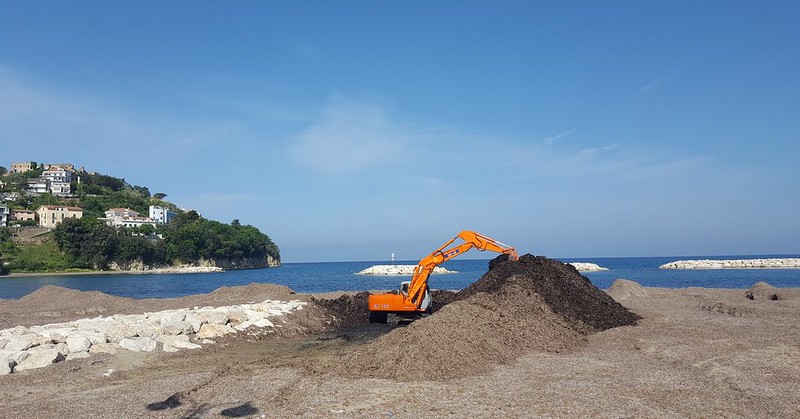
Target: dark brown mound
(534,304)
(560,285)
(347,310)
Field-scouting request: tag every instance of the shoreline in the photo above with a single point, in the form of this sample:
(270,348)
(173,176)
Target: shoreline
(161,271)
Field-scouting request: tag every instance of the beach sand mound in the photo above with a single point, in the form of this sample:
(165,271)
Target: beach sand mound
(762,291)
(623,289)
(534,304)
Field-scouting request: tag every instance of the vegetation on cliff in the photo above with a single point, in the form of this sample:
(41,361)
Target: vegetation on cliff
(90,244)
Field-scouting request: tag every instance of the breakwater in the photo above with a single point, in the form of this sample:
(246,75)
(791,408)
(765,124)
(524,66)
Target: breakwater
(770,263)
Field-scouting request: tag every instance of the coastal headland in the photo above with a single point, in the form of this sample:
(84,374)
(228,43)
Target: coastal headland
(693,352)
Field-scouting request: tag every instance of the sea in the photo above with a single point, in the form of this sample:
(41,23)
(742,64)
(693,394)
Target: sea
(321,277)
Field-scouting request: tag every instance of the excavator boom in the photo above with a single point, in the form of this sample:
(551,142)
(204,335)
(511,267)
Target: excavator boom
(416,299)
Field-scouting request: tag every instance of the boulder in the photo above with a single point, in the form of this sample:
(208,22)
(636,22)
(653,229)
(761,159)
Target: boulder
(177,328)
(210,331)
(25,342)
(6,366)
(40,357)
(77,355)
(78,344)
(138,344)
(16,356)
(104,348)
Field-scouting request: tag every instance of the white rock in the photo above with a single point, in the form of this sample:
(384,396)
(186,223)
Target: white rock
(138,344)
(177,328)
(59,334)
(120,332)
(24,342)
(15,331)
(16,356)
(6,366)
(78,344)
(263,323)
(215,318)
(194,321)
(40,357)
(94,337)
(172,317)
(399,270)
(587,266)
(766,263)
(210,331)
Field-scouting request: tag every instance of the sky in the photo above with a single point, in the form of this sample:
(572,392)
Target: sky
(348,131)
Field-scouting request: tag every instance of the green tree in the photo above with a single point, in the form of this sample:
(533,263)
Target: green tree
(159,195)
(3,171)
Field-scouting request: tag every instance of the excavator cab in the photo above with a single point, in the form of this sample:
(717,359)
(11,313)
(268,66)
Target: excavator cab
(404,287)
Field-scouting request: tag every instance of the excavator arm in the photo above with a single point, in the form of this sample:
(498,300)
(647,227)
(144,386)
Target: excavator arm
(418,288)
(419,280)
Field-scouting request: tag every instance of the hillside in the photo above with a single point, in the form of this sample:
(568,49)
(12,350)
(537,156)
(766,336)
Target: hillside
(110,229)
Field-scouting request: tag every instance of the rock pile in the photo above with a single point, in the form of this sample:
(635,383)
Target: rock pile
(534,304)
(24,348)
(772,263)
(399,270)
(587,267)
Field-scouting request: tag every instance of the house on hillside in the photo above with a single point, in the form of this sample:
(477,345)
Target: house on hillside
(126,217)
(50,216)
(161,215)
(37,186)
(59,180)
(4,215)
(23,215)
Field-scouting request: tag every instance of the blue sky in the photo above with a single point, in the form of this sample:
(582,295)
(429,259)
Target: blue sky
(349,130)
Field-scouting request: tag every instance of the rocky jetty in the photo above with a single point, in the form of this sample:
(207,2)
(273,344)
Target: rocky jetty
(587,267)
(399,270)
(24,348)
(771,263)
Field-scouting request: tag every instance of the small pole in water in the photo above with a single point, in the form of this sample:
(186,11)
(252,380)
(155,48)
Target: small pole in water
(392,258)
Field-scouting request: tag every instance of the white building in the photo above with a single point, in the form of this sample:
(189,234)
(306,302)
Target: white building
(38,186)
(126,217)
(3,215)
(59,179)
(161,215)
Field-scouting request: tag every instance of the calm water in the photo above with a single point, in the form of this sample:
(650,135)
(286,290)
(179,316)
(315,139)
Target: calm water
(333,276)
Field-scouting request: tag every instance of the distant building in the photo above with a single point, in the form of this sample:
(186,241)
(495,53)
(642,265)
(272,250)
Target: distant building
(37,186)
(11,196)
(23,215)
(161,215)
(52,215)
(20,167)
(59,180)
(65,166)
(3,215)
(126,217)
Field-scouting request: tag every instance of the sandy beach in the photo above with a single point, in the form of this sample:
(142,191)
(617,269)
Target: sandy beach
(694,353)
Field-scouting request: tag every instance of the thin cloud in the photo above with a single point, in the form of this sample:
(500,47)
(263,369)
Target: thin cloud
(554,138)
(651,85)
(350,136)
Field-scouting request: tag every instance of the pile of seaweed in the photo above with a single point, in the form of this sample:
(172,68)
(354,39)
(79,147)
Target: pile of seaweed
(532,304)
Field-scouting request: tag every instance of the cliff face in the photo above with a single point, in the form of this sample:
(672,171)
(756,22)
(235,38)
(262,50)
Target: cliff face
(209,265)
(246,263)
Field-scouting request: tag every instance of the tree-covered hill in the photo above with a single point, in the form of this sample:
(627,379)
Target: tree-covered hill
(88,243)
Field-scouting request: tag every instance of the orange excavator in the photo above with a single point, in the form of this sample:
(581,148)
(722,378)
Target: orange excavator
(413,299)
